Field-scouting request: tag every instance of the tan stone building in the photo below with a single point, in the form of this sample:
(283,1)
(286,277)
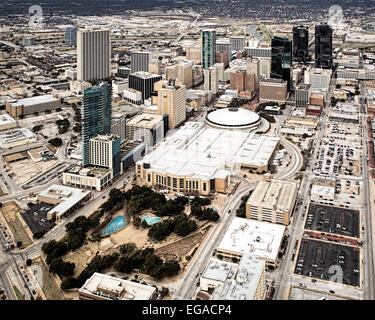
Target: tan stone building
(275,90)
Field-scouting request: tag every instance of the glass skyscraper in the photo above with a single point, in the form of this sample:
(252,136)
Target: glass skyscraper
(300,43)
(281,59)
(208,48)
(71,36)
(323,46)
(96,116)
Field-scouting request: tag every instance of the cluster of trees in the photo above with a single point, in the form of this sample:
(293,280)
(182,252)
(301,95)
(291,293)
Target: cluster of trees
(180,225)
(56,142)
(241,211)
(54,251)
(126,260)
(267,116)
(77,119)
(63,125)
(203,214)
(37,128)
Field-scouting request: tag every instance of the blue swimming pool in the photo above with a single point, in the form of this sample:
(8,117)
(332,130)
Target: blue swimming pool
(213,208)
(151,220)
(115,225)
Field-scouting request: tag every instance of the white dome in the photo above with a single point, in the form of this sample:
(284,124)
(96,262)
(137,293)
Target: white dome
(233,118)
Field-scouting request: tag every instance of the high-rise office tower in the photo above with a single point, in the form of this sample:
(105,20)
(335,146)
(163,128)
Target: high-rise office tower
(208,48)
(96,116)
(237,43)
(171,100)
(323,46)
(211,79)
(93,54)
(281,60)
(300,43)
(143,82)
(139,61)
(71,36)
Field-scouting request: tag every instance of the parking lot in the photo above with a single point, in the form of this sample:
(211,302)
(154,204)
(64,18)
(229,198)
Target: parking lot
(340,151)
(331,219)
(323,260)
(36,218)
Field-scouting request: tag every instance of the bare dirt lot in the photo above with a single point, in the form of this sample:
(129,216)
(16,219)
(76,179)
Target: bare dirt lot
(10,213)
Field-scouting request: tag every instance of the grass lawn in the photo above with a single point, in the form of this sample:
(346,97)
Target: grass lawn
(50,288)
(18,293)
(10,213)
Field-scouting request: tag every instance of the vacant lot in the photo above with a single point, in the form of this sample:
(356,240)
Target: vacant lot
(10,212)
(50,288)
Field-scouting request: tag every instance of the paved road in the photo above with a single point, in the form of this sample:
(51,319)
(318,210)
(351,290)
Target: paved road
(185,288)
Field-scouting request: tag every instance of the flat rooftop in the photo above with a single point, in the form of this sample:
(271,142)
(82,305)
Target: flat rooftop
(277,194)
(145,120)
(27,102)
(199,150)
(89,171)
(15,135)
(254,237)
(244,284)
(6,119)
(67,195)
(111,288)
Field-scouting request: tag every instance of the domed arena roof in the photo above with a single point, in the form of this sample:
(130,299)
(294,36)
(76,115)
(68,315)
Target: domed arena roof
(233,118)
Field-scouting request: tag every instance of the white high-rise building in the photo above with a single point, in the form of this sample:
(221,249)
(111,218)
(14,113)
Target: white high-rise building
(93,54)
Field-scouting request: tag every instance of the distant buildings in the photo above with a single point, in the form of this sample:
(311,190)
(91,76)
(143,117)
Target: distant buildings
(300,43)
(144,82)
(104,287)
(93,54)
(139,61)
(323,46)
(272,201)
(96,116)
(7,122)
(281,59)
(71,36)
(208,48)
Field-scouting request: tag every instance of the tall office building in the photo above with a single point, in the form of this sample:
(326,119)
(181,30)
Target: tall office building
(171,100)
(253,67)
(302,95)
(93,54)
(105,151)
(323,46)
(143,82)
(281,60)
(300,43)
(139,61)
(71,36)
(211,80)
(237,43)
(208,48)
(96,116)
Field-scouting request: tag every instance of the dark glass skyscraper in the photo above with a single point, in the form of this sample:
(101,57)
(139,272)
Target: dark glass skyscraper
(323,46)
(208,48)
(281,59)
(96,116)
(71,36)
(300,43)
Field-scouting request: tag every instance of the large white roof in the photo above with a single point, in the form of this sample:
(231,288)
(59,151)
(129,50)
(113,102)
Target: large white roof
(233,117)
